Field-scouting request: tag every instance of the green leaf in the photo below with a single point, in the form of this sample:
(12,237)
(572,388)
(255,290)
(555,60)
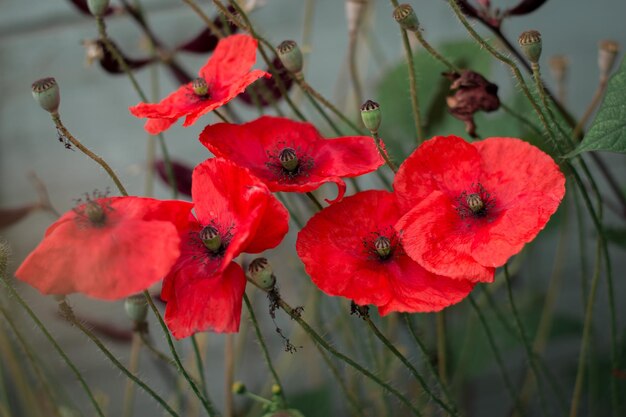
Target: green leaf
(608,131)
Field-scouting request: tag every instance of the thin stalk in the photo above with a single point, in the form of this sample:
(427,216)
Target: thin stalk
(133,364)
(68,314)
(221,116)
(51,339)
(580,373)
(207,21)
(156,352)
(383,153)
(522,332)
(353,37)
(496,352)
(354,402)
(417,118)
(321,111)
(521,118)
(442,363)
(199,365)
(595,101)
(66,134)
(315,201)
(433,52)
(266,353)
(451,408)
(206,402)
(229,374)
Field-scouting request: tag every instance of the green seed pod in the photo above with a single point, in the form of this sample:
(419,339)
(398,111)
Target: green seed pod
(530,42)
(406,17)
(200,87)
(383,246)
(46,93)
(211,238)
(288,159)
(291,56)
(98,7)
(371,115)
(136,307)
(261,273)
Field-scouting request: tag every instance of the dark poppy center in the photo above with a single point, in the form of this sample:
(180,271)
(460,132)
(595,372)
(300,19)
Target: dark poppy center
(95,213)
(476,202)
(200,87)
(382,245)
(288,159)
(211,238)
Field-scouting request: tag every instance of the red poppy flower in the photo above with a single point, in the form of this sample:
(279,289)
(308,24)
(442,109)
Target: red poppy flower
(292,156)
(107,248)
(472,206)
(225,75)
(235,213)
(351,249)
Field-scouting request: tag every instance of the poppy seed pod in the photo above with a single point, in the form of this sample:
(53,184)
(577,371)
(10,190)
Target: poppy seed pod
(46,93)
(406,17)
(136,307)
(260,271)
(530,42)
(98,7)
(371,115)
(290,55)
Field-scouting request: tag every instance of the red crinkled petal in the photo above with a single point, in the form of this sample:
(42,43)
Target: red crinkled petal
(250,145)
(198,303)
(232,197)
(443,163)
(435,236)
(273,226)
(527,186)
(179,103)
(232,59)
(156,126)
(331,246)
(417,290)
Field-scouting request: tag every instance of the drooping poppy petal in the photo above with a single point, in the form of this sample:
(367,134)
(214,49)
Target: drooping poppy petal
(473,206)
(351,249)
(225,75)
(107,248)
(263,144)
(235,212)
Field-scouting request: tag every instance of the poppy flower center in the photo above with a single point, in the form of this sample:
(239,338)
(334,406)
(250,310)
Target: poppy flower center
(475,203)
(200,87)
(95,213)
(288,159)
(211,238)
(382,246)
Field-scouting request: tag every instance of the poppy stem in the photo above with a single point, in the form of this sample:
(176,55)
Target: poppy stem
(496,352)
(266,353)
(433,52)
(530,354)
(206,402)
(442,362)
(122,63)
(133,362)
(221,116)
(199,365)
(315,200)
(383,152)
(210,24)
(44,330)
(353,38)
(452,409)
(66,134)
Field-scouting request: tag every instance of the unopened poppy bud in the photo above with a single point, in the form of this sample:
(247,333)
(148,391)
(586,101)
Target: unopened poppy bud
(260,271)
(200,87)
(371,115)
(406,17)
(239,388)
(530,42)
(211,238)
(276,389)
(46,93)
(98,7)
(382,246)
(288,159)
(136,307)
(291,56)
(607,54)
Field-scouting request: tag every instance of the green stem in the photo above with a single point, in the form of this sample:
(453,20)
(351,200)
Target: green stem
(433,52)
(449,408)
(59,125)
(321,111)
(383,153)
(51,339)
(417,119)
(315,201)
(442,365)
(522,332)
(266,353)
(206,402)
(129,391)
(199,365)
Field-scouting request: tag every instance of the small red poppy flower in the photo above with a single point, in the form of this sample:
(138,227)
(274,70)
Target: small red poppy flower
(473,206)
(226,74)
(351,249)
(234,213)
(107,248)
(292,156)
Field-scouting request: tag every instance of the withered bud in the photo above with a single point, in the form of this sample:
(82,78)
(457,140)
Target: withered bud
(406,17)
(607,56)
(291,56)
(530,42)
(46,93)
(371,115)
(558,67)
(261,273)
